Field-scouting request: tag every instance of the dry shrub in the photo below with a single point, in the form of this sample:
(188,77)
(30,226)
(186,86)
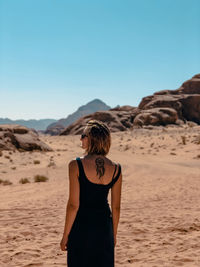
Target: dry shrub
(51,164)
(127,147)
(5,182)
(1,153)
(183,138)
(40,178)
(36,161)
(21,150)
(24,181)
(191,124)
(172,153)
(198,140)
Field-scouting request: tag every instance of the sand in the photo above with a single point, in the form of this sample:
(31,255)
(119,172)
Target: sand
(160,208)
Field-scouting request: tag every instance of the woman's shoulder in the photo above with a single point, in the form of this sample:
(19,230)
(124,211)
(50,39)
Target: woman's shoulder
(74,160)
(73,163)
(113,163)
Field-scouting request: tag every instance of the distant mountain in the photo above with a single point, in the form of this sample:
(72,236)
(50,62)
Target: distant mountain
(90,107)
(35,124)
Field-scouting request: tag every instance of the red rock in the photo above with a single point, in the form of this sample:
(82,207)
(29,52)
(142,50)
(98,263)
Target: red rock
(13,136)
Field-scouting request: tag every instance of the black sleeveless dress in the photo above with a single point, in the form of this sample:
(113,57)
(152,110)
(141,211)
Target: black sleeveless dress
(91,240)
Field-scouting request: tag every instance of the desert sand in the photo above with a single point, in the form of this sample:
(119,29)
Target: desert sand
(160,207)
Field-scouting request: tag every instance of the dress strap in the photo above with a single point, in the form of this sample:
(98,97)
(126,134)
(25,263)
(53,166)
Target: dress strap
(117,176)
(80,166)
(114,171)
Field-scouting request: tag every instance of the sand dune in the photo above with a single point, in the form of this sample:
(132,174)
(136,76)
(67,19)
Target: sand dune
(160,209)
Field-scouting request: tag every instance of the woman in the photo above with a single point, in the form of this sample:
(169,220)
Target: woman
(90,227)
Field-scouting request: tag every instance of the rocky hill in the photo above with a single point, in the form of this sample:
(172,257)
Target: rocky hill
(171,106)
(118,119)
(162,108)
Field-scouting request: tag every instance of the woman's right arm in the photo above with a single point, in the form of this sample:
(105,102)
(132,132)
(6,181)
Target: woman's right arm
(115,204)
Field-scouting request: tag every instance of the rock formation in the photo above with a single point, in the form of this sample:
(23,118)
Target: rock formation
(55,129)
(162,108)
(184,101)
(117,119)
(13,136)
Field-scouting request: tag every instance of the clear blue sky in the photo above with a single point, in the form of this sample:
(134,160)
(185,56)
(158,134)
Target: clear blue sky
(56,55)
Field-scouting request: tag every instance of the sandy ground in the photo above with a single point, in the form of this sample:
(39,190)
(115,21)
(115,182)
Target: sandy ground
(160,209)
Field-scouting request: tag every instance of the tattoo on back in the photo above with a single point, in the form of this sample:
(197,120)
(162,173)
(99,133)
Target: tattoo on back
(100,167)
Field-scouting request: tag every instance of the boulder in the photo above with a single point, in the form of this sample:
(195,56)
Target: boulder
(185,101)
(54,130)
(13,136)
(156,116)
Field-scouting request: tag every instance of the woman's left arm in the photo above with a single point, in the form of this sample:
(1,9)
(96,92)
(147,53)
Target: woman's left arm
(72,204)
